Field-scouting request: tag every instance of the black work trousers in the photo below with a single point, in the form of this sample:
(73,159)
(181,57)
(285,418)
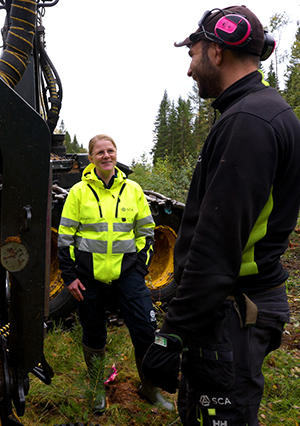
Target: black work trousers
(133,298)
(222,382)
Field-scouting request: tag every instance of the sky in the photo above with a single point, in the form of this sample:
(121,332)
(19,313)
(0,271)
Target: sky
(116,58)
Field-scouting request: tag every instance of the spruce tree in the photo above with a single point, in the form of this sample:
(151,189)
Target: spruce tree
(202,119)
(173,135)
(183,129)
(292,90)
(67,142)
(272,78)
(161,132)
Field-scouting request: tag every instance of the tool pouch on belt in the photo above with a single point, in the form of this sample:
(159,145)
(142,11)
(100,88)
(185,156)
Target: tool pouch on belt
(251,310)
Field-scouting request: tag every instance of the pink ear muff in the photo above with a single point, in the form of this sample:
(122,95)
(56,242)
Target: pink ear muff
(233,29)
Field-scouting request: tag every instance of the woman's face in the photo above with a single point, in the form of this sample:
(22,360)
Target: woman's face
(104,156)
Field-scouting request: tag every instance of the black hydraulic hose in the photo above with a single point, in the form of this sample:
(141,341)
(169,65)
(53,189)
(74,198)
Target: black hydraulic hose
(53,80)
(43,4)
(19,42)
(18,47)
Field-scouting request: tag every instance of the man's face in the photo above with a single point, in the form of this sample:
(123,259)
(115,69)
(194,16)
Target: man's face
(203,70)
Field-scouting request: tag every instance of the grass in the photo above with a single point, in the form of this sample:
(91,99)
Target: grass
(66,400)
(281,402)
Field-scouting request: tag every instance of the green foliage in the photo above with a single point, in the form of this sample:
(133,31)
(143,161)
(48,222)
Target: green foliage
(181,127)
(142,172)
(292,75)
(272,78)
(96,374)
(167,177)
(162,138)
(72,146)
(277,23)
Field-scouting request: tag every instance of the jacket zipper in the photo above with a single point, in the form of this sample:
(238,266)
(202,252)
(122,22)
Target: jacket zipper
(118,201)
(97,198)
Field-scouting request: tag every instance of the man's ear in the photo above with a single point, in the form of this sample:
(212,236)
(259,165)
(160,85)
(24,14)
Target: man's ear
(218,54)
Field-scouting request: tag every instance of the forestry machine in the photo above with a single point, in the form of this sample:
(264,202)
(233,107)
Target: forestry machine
(35,176)
(30,99)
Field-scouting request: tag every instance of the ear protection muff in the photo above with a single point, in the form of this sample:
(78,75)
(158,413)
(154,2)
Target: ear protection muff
(230,30)
(269,47)
(233,30)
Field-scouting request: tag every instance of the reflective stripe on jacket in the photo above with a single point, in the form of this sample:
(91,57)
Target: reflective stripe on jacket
(105,232)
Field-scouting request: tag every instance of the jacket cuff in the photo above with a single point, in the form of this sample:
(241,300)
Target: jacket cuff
(165,329)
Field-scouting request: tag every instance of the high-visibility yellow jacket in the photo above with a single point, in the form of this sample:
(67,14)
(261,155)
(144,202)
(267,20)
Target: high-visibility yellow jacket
(105,232)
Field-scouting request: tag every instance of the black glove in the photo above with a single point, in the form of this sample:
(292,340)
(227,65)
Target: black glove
(161,363)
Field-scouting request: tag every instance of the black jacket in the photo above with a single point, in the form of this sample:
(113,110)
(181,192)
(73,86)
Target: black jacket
(242,205)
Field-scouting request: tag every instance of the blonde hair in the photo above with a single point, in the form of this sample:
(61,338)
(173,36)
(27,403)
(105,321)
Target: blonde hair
(99,138)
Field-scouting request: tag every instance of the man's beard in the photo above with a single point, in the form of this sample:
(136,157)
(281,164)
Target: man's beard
(208,78)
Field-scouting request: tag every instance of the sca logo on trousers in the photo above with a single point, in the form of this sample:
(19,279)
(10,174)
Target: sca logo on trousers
(205,401)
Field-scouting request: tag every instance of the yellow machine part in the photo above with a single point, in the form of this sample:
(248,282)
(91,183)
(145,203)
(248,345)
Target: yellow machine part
(56,281)
(161,270)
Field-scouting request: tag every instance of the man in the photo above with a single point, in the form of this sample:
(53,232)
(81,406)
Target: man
(231,304)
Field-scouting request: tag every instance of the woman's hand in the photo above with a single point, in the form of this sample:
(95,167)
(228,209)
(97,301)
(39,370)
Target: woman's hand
(75,287)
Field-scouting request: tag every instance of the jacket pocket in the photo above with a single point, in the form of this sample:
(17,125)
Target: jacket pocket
(209,360)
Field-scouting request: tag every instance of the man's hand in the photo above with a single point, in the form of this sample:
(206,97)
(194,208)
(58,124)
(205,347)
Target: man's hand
(161,364)
(75,287)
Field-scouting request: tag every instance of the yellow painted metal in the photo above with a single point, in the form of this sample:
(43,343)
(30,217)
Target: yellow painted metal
(56,281)
(161,270)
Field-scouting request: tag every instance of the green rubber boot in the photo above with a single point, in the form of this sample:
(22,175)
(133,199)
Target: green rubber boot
(150,392)
(95,360)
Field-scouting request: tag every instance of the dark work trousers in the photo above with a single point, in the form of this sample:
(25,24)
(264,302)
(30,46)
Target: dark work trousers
(134,300)
(222,383)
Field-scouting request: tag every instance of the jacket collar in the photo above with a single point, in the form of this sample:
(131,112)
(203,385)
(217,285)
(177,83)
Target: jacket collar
(89,176)
(241,88)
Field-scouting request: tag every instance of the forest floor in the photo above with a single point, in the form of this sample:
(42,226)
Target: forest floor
(65,401)
(291,262)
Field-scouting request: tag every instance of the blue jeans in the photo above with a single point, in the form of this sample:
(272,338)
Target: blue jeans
(132,297)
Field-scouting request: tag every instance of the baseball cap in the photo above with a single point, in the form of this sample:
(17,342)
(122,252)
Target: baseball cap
(250,37)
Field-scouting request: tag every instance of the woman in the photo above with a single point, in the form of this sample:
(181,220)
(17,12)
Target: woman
(106,242)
